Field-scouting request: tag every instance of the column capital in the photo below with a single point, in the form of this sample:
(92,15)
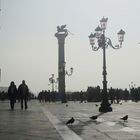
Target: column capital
(61,35)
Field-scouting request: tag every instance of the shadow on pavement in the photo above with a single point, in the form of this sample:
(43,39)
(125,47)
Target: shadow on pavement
(79,127)
(124,124)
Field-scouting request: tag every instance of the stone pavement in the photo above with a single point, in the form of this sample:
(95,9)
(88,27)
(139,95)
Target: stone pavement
(107,127)
(31,124)
(47,121)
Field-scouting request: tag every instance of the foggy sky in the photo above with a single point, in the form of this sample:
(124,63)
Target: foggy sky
(29,49)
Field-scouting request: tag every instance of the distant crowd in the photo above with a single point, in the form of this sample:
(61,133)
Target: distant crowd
(93,94)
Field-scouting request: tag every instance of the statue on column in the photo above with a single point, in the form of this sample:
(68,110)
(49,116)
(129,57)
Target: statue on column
(62,29)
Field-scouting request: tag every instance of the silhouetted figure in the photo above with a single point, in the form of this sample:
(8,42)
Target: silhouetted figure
(118,95)
(126,94)
(66,105)
(124,118)
(12,92)
(24,93)
(93,117)
(71,121)
(112,95)
(81,97)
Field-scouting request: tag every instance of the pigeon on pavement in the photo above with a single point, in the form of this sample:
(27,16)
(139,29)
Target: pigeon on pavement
(71,121)
(96,105)
(93,117)
(124,118)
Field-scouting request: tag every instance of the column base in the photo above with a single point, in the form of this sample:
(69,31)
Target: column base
(105,107)
(63,98)
(63,101)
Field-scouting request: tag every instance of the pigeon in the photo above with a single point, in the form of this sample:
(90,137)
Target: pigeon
(96,105)
(124,118)
(66,105)
(93,117)
(70,121)
(120,103)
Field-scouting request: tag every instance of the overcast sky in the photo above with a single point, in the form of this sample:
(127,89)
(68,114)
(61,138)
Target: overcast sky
(29,49)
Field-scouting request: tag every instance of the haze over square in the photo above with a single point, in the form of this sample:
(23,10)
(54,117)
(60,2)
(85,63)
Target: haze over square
(29,49)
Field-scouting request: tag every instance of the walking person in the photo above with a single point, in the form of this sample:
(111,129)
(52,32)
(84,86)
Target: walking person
(23,92)
(12,92)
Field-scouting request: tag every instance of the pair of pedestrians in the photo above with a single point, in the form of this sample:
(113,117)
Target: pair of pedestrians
(22,93)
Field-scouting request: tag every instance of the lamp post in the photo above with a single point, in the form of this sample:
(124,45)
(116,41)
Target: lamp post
(132,86)
(66,72)
(103,42)
(70,73)
(52,81)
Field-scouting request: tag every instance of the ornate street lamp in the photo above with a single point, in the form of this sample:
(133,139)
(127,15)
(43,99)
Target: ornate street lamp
(103,42)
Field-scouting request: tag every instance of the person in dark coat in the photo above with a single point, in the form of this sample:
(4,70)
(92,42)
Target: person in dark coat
(12,92)
(23,92)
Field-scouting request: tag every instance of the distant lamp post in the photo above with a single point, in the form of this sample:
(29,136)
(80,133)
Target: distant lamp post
(132,85)
(70,73)
(66,72)
(52,81)
(103,42)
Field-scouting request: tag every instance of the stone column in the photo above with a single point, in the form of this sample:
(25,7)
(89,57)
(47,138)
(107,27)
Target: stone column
(61,64)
